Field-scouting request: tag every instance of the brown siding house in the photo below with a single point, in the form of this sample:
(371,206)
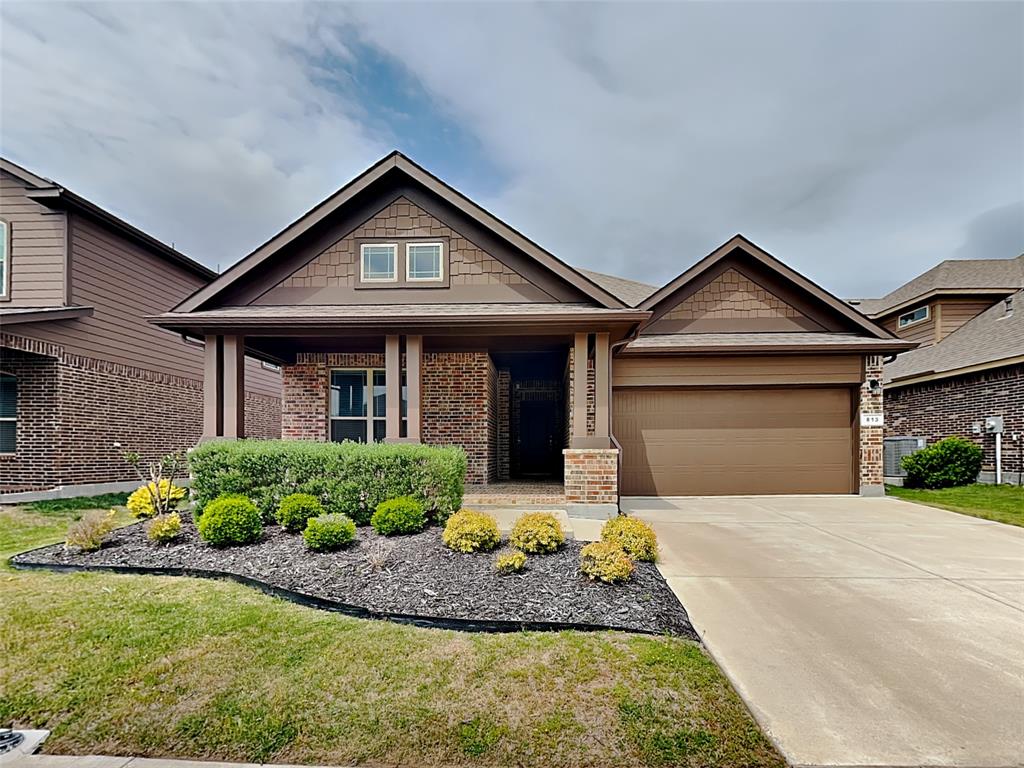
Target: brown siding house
(968,316)
(81,370)
(402,311)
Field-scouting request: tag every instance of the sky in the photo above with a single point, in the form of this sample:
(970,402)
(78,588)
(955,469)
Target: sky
(859,142)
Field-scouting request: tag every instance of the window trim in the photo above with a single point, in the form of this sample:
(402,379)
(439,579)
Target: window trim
(440,265)
(369,418)
(362,263)
(14,418)
(5,265)
(927,315)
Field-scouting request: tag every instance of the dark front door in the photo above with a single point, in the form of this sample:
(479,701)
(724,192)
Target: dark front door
(538,442)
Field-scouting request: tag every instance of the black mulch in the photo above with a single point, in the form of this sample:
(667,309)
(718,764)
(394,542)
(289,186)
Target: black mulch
(418,577)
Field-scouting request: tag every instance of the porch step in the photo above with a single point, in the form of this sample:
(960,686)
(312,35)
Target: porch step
(482,500)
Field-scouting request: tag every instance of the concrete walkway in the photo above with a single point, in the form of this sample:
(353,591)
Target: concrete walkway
(860,632)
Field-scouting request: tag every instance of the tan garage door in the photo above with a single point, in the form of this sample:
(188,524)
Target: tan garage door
(705,442)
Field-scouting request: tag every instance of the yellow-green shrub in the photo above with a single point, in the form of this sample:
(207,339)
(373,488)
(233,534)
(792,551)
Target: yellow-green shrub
(605,561)
(634,536)
(537,533)
(140,503)
(88,532)
(164,528)
(510,562)
(470,531)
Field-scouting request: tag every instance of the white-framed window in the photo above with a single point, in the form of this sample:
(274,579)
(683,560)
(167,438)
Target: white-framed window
(377,263)
(5,259)
(358,407)
(916,316)
(424,261)
(8,413)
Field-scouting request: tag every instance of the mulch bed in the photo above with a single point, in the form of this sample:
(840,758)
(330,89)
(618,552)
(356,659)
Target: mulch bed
(420,580)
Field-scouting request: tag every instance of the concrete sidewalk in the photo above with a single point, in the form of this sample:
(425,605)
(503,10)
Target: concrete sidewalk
(860,632)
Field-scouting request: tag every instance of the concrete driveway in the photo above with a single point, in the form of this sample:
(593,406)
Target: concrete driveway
(860,632)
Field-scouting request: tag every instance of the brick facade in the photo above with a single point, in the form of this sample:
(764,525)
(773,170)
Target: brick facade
(591,475)
(459,389)
(870,460)
(503,438)
(73,409)
(938,409)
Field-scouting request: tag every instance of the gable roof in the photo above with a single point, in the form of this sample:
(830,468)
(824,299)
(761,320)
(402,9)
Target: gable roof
(994,337)
(739,242)
(51,194)
(999,276)
(631,292)
(396,162)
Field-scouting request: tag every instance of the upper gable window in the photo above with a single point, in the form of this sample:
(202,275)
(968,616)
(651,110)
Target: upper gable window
(424,261)
(909,318)
(378,262)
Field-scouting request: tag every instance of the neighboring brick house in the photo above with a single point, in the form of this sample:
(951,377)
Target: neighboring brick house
(80,368)
(968,317)
(402,311)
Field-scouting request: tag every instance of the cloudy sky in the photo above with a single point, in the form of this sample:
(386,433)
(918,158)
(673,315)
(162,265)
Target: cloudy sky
(858,142)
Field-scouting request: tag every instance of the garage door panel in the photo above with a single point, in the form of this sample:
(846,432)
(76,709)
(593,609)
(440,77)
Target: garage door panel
(709,442)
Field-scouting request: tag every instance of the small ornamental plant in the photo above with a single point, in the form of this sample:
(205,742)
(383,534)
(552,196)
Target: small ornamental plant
(230,519)
(470,531)
(295,511)
(88,533)
(507,563)
(636,537)
(605,561)
(537,533)
(329,532)
(164,529)
(148,500)
(399,516)
(950,462)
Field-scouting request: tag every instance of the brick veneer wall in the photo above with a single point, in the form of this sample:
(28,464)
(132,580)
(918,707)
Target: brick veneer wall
(570,383)
(938,409)
(591,475)
(31,467)
(458,393)
(870,463)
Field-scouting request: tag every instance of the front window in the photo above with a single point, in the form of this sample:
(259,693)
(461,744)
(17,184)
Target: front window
(358,405)
(909,318)
(423,261)
(5,258)
(8,413)
(377,263)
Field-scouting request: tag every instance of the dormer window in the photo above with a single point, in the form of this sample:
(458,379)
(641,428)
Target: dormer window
(916,316)
(424,261)
(378,262)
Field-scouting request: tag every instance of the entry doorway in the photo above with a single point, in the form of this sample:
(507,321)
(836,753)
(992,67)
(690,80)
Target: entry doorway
(540,447)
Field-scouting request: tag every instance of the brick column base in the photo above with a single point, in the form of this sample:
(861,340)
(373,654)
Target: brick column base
(591,482)
(871,480)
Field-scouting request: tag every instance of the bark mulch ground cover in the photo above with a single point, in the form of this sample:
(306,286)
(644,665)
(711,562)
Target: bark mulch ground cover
(407,578)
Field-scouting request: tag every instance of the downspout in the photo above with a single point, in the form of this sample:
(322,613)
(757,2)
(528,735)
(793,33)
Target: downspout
(611,432)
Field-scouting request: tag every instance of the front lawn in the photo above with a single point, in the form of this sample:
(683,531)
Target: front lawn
(164,666)
(1003,503)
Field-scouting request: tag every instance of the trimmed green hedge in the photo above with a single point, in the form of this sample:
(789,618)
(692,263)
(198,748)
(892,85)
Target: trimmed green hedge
(349,478)
(950,462)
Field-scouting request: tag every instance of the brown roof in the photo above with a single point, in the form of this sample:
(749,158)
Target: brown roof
(631,292)
(782,341)
(993,336)
(953,275)
(20,315)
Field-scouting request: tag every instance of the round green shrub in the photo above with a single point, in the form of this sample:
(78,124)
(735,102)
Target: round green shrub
(537,533)
(470,531)
(397,516)
(327,532)
(230,519)
(636,537)
(949,462)
(295,510)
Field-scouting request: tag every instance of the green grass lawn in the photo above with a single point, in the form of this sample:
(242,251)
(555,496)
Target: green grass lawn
(163,666)
(1003,503)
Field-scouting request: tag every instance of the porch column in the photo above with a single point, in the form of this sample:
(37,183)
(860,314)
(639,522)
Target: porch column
(393,388)
(579,387)
(601,393)
(213,413)
(233,389)
(414,382)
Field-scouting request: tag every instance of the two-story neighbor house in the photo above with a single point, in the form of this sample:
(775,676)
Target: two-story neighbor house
(80,368)
(401,310)
(968,317)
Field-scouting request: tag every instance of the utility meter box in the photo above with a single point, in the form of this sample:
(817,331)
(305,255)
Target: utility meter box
(994,425)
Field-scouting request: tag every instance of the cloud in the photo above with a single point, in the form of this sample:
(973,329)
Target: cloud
(856,141)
